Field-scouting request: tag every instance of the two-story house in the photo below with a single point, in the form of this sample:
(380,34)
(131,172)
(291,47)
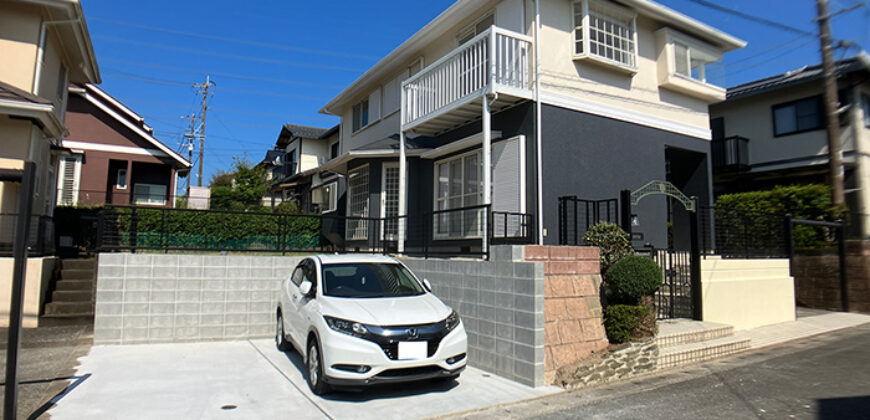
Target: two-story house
(298,152)
(115,157)
(509,104)
(44,45)
(772,132)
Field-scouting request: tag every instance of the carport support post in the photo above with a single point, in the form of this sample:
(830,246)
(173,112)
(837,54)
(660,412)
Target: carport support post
(695,264)
(841,250)
(487,163)
(19,271)
(403,168)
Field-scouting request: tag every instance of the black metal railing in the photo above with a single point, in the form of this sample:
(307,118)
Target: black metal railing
(733,233)
(730,154)
(577,215)
(467,231)
(41,237)
(675,298)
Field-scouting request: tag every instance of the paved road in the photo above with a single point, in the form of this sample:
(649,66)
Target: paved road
(825,377)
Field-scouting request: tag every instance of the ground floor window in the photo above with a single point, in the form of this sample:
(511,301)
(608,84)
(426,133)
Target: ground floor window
(459,185)
(149,194)
(325,197)
(358,203)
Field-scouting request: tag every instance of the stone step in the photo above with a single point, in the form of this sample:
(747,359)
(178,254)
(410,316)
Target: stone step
(72,296)
(76,274)
(675,332)
(74,285)
(69,309)
(78,263)
(685,354)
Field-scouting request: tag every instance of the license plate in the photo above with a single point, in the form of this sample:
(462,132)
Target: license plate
(413,350)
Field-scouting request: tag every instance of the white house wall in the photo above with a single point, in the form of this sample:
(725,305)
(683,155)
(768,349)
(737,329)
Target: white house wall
(313,152)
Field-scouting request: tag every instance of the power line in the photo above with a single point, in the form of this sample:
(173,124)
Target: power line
(755,18)
(225,55)
(234,40)
(124,75)
(227,75)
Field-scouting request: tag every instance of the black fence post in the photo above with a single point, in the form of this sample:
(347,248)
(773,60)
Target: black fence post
(625,211)
(695,265)
(134,226)
(788,238)
(841,250)
(163,243)
(101,222)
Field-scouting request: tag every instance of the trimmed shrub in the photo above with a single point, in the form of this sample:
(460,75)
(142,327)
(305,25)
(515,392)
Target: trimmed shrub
(613,243)
(632,278)
(621,321)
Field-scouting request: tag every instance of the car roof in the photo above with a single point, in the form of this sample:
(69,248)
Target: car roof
(355,258)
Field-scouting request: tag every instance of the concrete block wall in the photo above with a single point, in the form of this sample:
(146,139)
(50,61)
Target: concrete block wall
(501,303)
(574,323)
(151,298)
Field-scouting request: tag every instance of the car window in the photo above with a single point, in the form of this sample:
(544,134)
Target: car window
(308,273)
(369,280)
(296,278)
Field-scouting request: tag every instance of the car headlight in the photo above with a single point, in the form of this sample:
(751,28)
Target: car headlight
(452,321)
(344,326)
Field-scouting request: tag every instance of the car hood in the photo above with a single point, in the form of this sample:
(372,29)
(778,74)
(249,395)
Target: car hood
(407,310)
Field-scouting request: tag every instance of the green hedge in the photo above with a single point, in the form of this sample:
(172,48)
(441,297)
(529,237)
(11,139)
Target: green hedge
(217,230)
(632,278)
(621,321)
(752,212)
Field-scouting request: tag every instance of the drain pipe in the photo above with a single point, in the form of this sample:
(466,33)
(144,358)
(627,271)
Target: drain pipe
(40,52)
(538,121)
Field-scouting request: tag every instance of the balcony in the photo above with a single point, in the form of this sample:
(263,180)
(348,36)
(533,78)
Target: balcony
(449,92)
(730,154)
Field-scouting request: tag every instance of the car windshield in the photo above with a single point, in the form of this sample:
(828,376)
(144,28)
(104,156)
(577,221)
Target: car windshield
(369,280)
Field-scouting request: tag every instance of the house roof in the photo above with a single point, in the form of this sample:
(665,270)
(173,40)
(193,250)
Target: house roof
(329,133)
(272,156)
(122,114)
(12,93)
(289,131)
(461,9)
(861,62)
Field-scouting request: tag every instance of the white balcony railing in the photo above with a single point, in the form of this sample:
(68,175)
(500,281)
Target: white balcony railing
(497,60)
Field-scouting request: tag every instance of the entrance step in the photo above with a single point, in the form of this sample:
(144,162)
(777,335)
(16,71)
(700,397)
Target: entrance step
(78,264)
(69,309)
(703,351)
(674,332)
(77,274)
(72,295)
(67,285)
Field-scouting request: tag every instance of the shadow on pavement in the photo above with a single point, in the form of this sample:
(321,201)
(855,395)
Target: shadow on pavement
(378,391)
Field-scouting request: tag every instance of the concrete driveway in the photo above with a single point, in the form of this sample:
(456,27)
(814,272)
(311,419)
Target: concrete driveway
(252,379)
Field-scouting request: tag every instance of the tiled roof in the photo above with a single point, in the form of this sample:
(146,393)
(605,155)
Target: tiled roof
(305,131)
(12,93)
(801,75)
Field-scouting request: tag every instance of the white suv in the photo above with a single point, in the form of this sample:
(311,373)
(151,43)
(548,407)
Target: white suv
(361,320)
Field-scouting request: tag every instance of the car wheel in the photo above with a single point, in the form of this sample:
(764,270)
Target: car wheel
(315,370)
(280,337)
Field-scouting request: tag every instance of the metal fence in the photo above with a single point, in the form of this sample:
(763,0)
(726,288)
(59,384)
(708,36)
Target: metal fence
(733,233)
(467,231)
(577,215)
(41,237)
(674,299)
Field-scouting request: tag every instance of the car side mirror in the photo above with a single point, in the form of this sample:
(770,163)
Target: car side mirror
(427,285)
(305,288)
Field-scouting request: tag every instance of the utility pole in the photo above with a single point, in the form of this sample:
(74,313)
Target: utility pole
(203,89)
(835,150)
(188,137)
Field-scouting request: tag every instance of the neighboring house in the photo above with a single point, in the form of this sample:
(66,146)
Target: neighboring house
(116,159)
(773,132)
(298,154)
(44,45)
(623,100)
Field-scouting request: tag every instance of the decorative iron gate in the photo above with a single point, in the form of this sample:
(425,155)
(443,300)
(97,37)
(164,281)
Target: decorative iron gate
(674,299)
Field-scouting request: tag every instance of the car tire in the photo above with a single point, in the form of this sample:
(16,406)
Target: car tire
(314,369)
(280,337)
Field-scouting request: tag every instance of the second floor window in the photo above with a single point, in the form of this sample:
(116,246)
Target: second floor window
(333,150)
(604,32)
(360,115)
(691,62)
(797,116)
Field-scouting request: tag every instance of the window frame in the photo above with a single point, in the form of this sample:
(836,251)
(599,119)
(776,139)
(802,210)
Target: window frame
(462,196)
(334,150)
(819,111)
(150,203)
(118,185)
(332,195)
(611,12)
(462,35)
(351,216)
(361,120)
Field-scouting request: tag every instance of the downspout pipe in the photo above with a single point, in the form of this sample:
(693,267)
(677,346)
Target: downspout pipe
(538,168)
(40,52)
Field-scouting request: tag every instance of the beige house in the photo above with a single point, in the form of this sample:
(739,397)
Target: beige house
(44,45)
(772,132)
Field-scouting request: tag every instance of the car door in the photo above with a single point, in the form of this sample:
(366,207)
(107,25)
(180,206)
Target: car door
(307,307)
(294,319)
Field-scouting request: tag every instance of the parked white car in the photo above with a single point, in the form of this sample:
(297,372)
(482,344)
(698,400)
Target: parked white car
(360,320)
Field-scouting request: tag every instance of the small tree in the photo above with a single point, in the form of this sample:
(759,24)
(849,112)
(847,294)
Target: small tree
(243,189)
(613,243)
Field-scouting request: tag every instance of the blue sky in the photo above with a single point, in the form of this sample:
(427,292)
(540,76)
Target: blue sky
(279,62)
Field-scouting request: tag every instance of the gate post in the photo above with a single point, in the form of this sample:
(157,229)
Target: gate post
(625,211)
(841,250)
(788,238)
(695,265)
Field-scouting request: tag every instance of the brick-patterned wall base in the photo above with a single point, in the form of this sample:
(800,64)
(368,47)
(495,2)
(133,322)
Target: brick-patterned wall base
(573,320)
(817,281)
